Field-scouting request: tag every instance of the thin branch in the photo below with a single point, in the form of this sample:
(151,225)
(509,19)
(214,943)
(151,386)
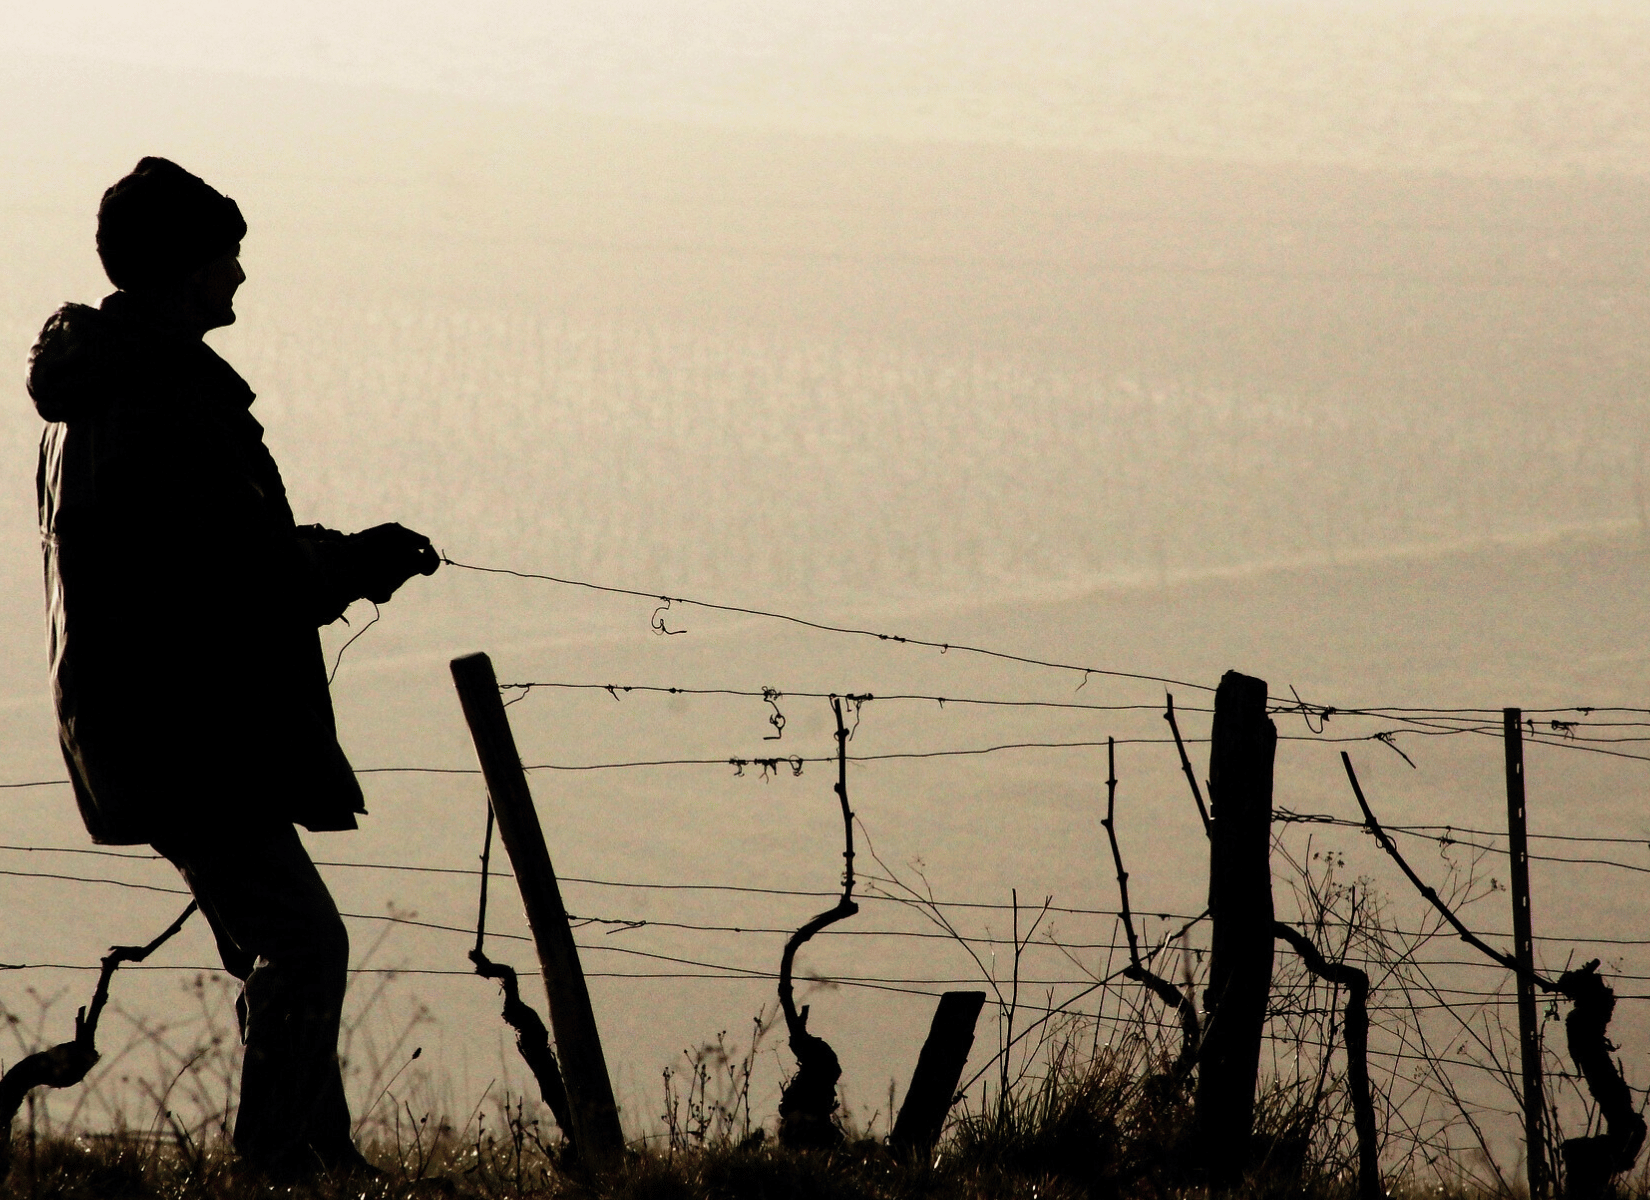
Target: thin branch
(1007,1027)
(86,1020)
(486,864)
(1186,763)
(1168,993)
(1116,854)
(1432,897)
(67,1063)
(1065,1005)
(925,903)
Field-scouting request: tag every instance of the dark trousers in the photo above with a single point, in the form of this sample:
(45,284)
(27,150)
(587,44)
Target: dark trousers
(279,933)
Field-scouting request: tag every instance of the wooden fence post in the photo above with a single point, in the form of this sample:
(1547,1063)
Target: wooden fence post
(1243,746)
(1529,1032)
(596,1129)
(939,1068)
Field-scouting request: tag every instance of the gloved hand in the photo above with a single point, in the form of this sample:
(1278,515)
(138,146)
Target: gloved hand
(386,556)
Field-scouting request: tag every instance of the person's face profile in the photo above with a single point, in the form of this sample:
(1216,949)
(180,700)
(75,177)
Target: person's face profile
(215,284)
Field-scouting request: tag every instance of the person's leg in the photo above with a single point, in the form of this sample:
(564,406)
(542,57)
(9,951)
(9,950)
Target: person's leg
(279,932)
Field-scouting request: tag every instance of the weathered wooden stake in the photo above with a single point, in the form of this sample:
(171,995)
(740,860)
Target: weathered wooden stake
(1529,1032)
(1243,747)
(589,1091)
(939,1068)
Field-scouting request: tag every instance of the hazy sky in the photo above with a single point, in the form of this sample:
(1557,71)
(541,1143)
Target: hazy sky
(1521,88)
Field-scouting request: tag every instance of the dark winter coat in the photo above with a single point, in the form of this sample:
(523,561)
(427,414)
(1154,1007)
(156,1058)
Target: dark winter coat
(183,600)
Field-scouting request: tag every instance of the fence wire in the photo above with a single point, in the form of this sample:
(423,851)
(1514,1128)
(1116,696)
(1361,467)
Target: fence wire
(1432,1014)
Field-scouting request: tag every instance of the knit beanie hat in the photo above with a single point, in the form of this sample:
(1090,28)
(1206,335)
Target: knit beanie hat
(160,223)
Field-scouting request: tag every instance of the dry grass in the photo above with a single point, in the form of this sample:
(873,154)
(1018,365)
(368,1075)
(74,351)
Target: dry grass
(1102,1129)
(1082,1108)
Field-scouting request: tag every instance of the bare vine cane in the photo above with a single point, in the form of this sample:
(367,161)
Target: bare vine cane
(1168,993)
(67,1063)
(1185,762)
(1356,1023)
(1431,896)
(808,1102)
(1590,1162)
(532,1038)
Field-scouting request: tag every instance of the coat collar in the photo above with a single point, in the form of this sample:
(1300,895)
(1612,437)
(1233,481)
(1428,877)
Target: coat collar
(159,319)
(155,316)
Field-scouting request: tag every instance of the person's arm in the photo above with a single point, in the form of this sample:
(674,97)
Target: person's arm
(176,533)
(370,565)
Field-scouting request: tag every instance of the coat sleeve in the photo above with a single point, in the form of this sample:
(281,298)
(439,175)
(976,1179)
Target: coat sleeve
(327,575)
(186,522)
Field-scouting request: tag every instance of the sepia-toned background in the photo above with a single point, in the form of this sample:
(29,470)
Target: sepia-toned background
(1309,339)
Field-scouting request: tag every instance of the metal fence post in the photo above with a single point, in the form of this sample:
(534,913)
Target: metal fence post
(1529,1032)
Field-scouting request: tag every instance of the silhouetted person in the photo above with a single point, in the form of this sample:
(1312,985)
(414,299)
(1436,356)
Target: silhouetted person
(187,670)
